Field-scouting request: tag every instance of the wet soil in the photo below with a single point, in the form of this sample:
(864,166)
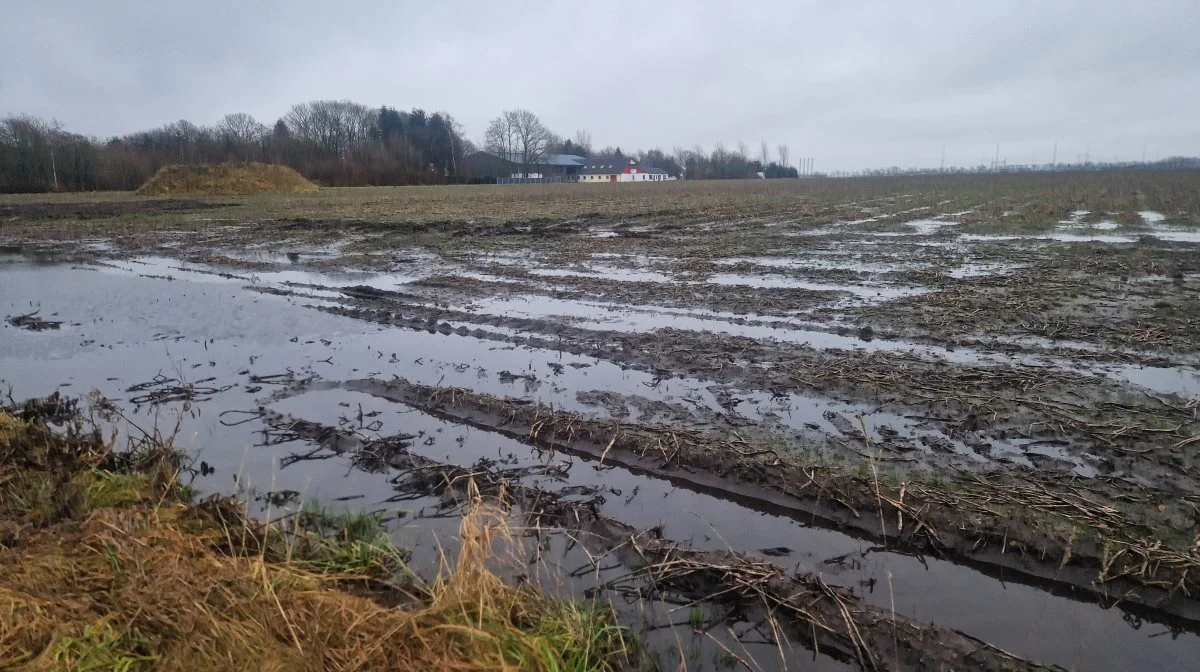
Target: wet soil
(840,429)
(1141,298)
(645,565)
(74,210)
(972,516)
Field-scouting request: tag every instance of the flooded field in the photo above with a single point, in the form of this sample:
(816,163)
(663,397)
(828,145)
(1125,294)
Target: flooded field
(932,424)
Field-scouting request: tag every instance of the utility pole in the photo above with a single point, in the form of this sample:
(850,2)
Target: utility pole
(53,168)
(1054,158)
(943,168)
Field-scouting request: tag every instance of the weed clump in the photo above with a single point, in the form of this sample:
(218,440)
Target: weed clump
(226,178)
(106,564)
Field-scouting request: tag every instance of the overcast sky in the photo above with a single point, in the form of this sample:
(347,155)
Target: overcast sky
(852,84)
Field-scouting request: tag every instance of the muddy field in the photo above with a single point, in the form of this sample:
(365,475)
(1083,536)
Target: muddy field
(910,423)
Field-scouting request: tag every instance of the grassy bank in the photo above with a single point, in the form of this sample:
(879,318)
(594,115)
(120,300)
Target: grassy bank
(107,564)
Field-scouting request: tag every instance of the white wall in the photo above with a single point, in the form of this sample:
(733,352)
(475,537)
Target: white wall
(622,177)
(641,177)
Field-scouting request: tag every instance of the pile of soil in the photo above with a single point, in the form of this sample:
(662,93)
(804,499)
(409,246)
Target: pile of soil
(226,178)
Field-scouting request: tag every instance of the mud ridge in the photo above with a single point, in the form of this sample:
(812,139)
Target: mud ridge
(829,619)
(995,403)
(1007,523)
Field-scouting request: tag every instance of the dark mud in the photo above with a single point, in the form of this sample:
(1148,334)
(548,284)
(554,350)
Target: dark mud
(987,412)
(970,517)
(613,494)
(773,302)
(641,565)
(1145,299)
(102,209)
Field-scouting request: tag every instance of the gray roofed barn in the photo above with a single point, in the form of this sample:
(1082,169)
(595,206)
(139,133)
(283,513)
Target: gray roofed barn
(609,165)
(548,160)
(488,166)
(616,165)
(603,166)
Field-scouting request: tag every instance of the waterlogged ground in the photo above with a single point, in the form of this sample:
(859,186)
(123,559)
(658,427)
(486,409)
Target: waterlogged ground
(930,428)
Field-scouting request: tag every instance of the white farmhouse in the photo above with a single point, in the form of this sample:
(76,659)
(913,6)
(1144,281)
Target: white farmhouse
(619,169)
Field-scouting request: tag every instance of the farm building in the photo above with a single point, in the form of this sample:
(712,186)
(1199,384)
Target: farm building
(491,167)
(618,169)
(487,166)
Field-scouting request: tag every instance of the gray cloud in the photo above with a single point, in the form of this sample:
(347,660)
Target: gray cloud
(873,84)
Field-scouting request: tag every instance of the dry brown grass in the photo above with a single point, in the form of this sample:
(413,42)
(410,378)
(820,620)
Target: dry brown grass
(136,578)
(143,588)
(226,178)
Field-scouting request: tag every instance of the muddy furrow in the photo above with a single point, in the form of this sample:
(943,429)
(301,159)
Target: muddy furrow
(1120,431)
(1057,533)
(826,618)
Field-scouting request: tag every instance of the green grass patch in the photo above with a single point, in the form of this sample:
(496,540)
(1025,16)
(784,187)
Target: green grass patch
(100,646)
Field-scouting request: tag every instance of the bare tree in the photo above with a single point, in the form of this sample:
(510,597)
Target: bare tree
(764,154)
(501,138)
(784,155)
(184,139)
(533,138)
(721,159)
(743,152)
(681,157)
(241,133)
(25,150)
(241,128)
(335,127)
(520,137)
(583,142)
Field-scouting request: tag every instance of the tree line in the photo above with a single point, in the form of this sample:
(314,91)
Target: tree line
(335,143)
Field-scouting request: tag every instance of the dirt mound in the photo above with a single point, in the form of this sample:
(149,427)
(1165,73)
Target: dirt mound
(226,178)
